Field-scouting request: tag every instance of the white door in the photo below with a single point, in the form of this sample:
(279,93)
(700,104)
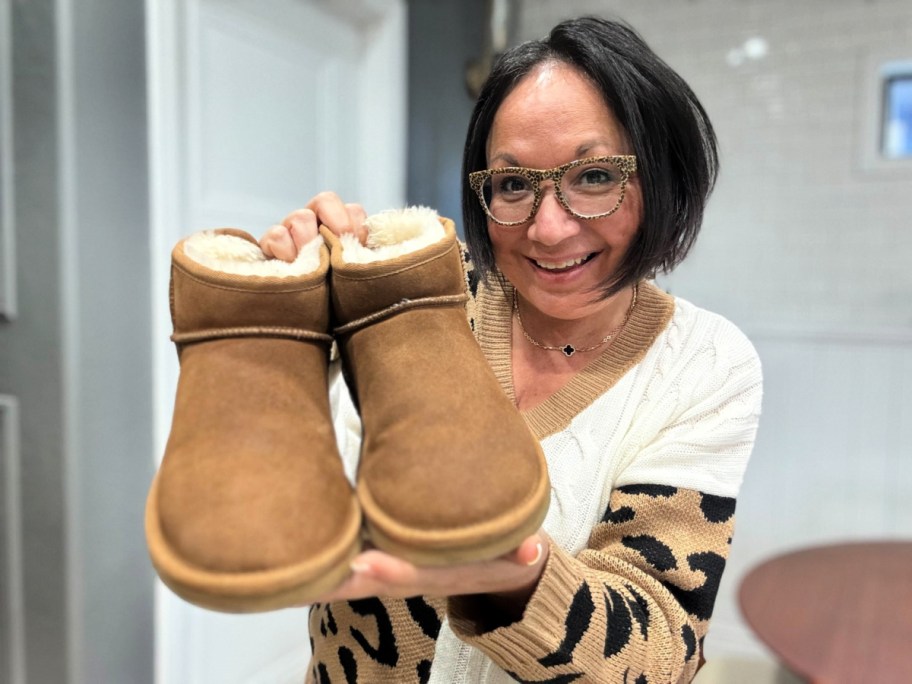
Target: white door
(254,108)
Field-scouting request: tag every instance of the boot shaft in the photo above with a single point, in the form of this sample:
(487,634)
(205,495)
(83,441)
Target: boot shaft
(206,299)
(365,289)
(449,471)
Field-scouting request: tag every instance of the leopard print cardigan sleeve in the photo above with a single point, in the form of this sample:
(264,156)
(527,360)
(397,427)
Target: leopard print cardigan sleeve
(633,607)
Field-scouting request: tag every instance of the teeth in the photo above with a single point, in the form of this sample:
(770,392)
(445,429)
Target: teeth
(556,266)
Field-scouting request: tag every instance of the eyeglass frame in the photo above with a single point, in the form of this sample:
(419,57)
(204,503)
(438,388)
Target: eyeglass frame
(625,162)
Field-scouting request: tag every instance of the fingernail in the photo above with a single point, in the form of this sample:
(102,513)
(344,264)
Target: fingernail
(360,568)
(538,554)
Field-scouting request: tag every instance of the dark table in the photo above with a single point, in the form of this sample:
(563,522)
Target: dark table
(834,614)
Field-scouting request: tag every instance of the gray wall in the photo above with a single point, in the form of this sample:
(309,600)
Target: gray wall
(111,410)
(78,356)
(30,359)
(443,36)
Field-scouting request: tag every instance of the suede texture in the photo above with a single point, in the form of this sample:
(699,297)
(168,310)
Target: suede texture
(251,507)
(449,471)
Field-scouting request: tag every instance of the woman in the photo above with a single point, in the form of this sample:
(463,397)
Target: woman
(645,405)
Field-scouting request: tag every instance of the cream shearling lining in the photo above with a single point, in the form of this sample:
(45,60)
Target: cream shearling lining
(235,255)
(392,233)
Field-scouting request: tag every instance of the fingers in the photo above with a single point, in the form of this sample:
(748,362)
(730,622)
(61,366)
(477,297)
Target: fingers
(375,573)
(533,551)
(339,217)
(302,224)
(277,243)
(285,240)
(357,216)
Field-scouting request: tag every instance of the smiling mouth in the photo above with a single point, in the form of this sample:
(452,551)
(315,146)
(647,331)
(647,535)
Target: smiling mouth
(561,266)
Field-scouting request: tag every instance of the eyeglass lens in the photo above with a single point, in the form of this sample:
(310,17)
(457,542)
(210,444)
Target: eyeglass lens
(589,190)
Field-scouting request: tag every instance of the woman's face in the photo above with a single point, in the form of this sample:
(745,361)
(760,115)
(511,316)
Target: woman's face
(555,260)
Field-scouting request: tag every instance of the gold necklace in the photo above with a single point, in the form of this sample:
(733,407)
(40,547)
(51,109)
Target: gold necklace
(568,349)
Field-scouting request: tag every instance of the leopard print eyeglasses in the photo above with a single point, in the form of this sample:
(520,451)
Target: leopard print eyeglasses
(589,188)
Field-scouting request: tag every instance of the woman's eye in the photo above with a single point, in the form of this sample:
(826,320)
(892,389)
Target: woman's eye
(597,176)
(513,185)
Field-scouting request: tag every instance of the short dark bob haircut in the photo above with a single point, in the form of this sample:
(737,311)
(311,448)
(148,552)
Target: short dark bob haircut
(667,127)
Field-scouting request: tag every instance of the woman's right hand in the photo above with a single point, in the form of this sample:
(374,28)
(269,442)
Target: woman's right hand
(284,240)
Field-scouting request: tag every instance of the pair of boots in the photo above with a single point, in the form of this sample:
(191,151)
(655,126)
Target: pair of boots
(251,509)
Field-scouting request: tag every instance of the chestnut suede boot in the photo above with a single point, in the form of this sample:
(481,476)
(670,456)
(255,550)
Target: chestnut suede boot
(250,510)
(449,471)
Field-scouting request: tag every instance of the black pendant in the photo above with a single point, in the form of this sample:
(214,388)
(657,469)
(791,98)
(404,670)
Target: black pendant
(568,350)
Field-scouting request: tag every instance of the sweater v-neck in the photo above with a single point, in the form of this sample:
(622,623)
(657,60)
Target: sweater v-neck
(494,323)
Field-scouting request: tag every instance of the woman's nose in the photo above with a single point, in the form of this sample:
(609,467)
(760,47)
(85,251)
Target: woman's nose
(552,223)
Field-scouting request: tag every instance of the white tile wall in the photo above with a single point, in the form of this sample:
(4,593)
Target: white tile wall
(798,232)
(808,251)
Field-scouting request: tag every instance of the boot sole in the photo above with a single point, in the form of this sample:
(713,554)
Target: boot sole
(257,591)
(481,542)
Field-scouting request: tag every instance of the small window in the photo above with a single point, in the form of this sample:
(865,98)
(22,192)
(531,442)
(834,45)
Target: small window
(896,140)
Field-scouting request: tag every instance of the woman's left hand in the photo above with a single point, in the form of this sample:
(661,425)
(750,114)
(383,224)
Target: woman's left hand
(515,575)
